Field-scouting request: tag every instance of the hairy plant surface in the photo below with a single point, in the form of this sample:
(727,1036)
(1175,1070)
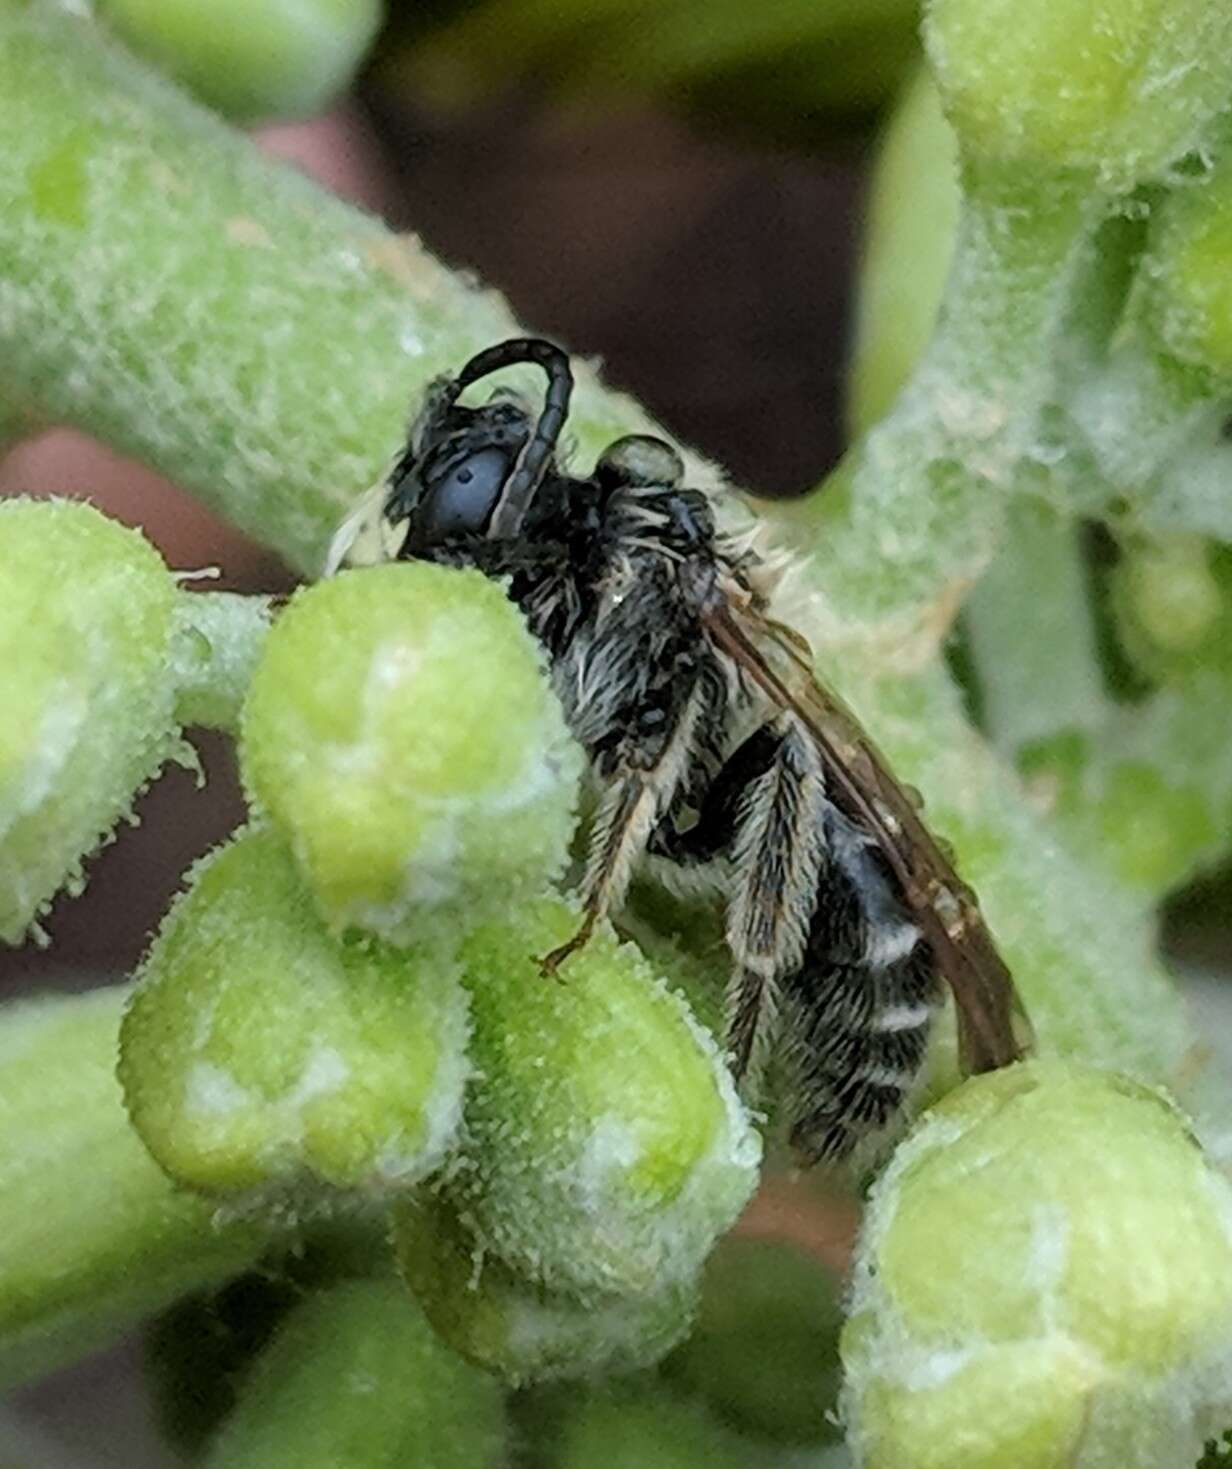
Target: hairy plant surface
(339,1038)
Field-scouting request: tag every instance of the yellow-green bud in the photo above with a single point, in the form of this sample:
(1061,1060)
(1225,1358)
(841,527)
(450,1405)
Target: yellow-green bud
(251,58)
(1045,1278)
(261,1056)
(400,731)
(1168,591)
(1152,826)
(607,1148)
(1189,285)
(86,703)
(355,1378)
(496,1318)
(1121,88)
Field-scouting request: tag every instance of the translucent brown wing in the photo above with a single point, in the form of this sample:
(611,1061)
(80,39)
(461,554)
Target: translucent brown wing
(992,1026)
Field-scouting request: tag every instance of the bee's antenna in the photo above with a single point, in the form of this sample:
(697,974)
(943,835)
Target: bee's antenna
(523,480)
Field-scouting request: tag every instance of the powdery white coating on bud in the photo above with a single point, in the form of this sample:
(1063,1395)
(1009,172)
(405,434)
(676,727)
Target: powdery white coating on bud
(1045,1278)
(263,1058)
(86,713)
(526,1333)
(400,731)
(607,1149)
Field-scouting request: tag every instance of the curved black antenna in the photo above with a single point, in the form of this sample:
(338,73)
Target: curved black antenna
(528,468)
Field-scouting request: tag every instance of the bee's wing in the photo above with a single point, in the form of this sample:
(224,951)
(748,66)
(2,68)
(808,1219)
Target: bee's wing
(992,1026)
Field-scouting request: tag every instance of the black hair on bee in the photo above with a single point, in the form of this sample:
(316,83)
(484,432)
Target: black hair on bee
(718,757)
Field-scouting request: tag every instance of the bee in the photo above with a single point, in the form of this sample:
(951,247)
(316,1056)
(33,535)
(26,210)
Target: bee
(718,758)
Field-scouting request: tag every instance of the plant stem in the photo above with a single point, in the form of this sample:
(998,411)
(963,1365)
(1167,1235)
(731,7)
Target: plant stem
(1141,410)
(1192,494)
(92,1235)
(167,288)
(1031,633)
(217,640)
(926,491)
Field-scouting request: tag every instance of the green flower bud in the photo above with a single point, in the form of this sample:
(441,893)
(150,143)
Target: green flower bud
(1166,591)
(1120,88)
(259,1055)
(495,1317)
(1153,826)
(355,1377)
(86,707)
(251,58)
(607,1149)
(764,1352)
(1188,285)
(640,1427)
(401,733)
(1045,1278)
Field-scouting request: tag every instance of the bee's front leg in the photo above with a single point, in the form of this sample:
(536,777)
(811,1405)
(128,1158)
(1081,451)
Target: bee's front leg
(627,811)
(633,801)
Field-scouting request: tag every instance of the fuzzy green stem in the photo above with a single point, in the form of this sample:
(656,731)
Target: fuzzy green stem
(1141,410)
(92,1235)
(260,342)
(165,287)
(217,640)
(1192,494)
(1031,634)
(925,494)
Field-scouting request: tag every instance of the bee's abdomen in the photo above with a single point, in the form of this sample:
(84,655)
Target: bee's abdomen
(862,1002)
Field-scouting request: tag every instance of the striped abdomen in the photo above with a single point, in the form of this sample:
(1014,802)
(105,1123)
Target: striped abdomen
(859,1008)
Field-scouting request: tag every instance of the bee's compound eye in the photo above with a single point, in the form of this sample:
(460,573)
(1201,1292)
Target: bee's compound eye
(641,461)
(461,498)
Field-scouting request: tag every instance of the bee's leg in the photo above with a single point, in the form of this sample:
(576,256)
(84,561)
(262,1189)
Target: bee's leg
(778,858)
(634,798)
(718,816)
(626,813)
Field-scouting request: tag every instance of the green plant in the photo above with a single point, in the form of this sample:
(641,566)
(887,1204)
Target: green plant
(340,1016)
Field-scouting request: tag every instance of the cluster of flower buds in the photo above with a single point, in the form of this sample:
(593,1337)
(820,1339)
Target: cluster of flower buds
(346,1002)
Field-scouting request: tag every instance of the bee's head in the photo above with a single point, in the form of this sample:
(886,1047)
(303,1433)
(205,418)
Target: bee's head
(475,471)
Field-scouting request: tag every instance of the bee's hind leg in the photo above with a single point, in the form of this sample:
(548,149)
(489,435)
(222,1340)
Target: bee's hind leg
(778,859)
